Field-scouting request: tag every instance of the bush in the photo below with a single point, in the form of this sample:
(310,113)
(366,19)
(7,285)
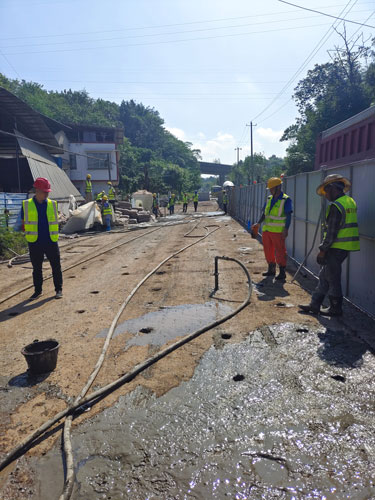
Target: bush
(13,240)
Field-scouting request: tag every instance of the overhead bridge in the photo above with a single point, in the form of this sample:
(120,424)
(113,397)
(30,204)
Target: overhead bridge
(215,169)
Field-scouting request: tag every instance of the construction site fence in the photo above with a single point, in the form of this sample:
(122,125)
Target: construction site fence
(12,202)
(245,204)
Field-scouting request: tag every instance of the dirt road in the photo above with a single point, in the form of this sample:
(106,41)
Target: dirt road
(301,402)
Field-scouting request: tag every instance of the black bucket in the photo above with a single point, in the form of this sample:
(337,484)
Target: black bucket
(41,356)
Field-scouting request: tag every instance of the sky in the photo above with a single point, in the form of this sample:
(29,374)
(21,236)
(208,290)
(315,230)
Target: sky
(209,67)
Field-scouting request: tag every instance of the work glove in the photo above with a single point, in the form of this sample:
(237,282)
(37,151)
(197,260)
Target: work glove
(321,258)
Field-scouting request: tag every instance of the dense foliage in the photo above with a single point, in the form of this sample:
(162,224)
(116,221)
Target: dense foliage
(151,158)
(330,93)
(260,170)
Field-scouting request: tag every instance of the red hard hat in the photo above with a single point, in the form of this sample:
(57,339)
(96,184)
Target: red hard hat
(42,184)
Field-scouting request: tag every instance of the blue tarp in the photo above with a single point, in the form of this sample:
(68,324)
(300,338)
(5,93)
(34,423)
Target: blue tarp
(13,202)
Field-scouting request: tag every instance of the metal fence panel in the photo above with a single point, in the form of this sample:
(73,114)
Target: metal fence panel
(359,267)
(13,202)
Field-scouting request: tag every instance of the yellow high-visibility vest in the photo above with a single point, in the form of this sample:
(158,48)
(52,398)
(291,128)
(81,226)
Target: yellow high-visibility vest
(30,216)
(111,193)
(88,186)
(348,236)
(107,209)
(195,197)
(275,218)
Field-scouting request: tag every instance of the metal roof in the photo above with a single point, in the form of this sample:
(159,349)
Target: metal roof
(42,165)
(29,121)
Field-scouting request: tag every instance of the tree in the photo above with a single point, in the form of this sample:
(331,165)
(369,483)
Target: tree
(330,93)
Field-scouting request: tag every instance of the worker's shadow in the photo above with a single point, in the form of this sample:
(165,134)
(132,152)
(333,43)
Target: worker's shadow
(340,348)
(268,289)
(21,308)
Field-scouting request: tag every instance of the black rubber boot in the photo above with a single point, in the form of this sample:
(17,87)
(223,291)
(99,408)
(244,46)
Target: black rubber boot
(271,270)
(335,308)
(281,276)
(315,303)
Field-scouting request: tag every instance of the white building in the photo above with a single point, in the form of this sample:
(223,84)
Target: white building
(97,154)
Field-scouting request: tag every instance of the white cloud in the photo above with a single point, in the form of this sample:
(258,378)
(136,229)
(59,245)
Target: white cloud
(269,134)
(177,132)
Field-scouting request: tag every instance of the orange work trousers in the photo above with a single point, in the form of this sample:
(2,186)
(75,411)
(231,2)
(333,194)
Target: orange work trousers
(274,248)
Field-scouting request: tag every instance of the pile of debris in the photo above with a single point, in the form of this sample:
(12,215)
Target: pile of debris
(124,210)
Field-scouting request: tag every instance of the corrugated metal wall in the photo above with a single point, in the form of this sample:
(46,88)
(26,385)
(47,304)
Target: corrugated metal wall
(13,202)
(245,205)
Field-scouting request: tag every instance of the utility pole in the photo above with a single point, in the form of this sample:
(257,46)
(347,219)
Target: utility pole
(238,154)
(251,125)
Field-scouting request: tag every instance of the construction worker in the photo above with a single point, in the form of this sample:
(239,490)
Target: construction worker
(225,201)
(195,200)
(171,202)
(4,219)
(39,220)
(277,215)
(88,188)
(100,196)
(341,236)
(106,212)
(111,194)
(155,205)
(185,202)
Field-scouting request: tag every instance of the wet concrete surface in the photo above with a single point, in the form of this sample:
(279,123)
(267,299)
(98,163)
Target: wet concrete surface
(286,414)
(170,322)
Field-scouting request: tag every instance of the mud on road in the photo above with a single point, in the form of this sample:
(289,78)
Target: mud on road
(271,404)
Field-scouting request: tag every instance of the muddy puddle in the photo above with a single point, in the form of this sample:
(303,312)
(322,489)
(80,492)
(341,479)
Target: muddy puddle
(286,414)
(158,327)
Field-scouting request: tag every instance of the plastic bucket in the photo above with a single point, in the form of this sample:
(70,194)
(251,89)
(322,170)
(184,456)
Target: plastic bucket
(41,356)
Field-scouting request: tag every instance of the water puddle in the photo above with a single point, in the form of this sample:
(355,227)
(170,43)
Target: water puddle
(170,322)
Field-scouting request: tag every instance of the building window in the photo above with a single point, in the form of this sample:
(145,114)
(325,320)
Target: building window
(73,162)
(98,161)
(89,136)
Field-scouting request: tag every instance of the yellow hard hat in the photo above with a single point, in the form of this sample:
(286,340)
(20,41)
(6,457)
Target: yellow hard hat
(154,195)
(110,183)
(88,176)
(105,197)
(273,182)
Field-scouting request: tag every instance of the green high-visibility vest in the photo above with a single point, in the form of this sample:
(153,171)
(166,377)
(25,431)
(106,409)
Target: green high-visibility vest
(275,218)
(348,236)
(195,197)
(111,193)
(184,198)
(99,197)
(30,216)
(154,203)
(225,199)
(88,186)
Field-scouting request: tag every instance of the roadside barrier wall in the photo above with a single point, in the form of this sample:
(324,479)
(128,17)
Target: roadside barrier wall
(246,203)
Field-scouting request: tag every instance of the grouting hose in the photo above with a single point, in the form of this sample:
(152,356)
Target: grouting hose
(69,479)
(106,390)
(92,257)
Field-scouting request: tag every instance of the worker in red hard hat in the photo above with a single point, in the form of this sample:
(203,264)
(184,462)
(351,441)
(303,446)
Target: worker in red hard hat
(38,219)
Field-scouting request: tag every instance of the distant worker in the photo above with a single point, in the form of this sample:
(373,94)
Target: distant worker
(106,212)
(39,220)
(4,219)
(99,196)
(171,202)
(341,236)
(111,195)
(155,205)
(195,200)
(185,202)
(225,201)
(88,188)
(277,215)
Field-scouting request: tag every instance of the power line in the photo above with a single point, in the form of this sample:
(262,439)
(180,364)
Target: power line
(161,34)
(318,46)
(163,42)
(325,14)
(10,64)
(156,26)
